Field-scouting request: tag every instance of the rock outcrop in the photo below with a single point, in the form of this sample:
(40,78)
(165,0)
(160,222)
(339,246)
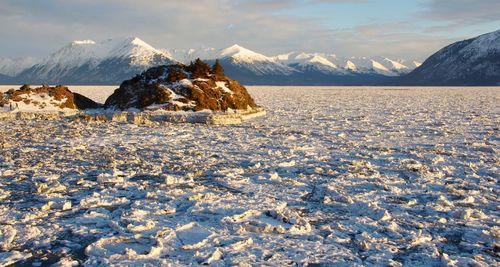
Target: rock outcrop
(181,88)
(44,98)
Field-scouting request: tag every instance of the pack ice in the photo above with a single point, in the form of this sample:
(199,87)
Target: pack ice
(331,177)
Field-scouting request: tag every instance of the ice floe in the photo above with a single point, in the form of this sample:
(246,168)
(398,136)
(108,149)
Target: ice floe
(358,176)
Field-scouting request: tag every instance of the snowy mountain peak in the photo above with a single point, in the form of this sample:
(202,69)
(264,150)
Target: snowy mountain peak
(350,66)
(234,49)
(331,63)
(323,61)
(139,51)
(83,42)
(304,56)
(138,42)
(80,52)
(377,66)
(306,59)
(86,57)
(113,59)
(395,65)
(240,53)
(73,54)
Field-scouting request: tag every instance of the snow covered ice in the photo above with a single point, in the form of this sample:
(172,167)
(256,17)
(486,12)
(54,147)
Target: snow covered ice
(343,176)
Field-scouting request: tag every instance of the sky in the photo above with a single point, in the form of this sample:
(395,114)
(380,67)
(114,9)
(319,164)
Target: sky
(407,29)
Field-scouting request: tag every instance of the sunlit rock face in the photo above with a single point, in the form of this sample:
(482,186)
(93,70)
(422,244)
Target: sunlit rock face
(181,88)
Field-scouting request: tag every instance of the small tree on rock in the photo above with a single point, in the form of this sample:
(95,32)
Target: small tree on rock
(199,69)
(217,70)
(176,75)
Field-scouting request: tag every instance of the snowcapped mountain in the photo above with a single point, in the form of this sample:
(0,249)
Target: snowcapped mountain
(245,60)
(87,61)
(395,66)
(309,62)
(375,65)
(241,54)
(12,67)
(188,55)
(474,61)
(239,63)
(366,65)
(114,60)
(330,63)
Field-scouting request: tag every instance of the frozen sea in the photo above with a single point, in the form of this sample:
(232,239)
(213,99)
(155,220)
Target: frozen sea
(337,176)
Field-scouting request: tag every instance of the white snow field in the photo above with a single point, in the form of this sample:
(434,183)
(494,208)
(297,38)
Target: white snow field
(331,177)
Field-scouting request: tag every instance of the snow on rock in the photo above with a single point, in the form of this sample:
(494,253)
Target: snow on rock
(360,176)
(175,88)
(43,99)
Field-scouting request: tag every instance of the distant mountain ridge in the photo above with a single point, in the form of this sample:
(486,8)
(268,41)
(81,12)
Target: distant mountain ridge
(114,60)
(89,62)
(294,63)
(471,62)
(6,79)
(12,67)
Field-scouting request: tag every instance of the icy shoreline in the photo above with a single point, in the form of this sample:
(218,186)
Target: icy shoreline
(141,118)
(357,177)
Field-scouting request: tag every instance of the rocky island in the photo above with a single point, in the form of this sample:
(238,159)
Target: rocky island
(177,87)
(194,93)
(44,102)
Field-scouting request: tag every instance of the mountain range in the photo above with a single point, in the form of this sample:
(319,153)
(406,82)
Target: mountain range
(114,60)
(474,61)
(88,62)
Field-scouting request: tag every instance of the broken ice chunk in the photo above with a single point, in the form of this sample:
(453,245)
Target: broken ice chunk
(192,235)
(12,257)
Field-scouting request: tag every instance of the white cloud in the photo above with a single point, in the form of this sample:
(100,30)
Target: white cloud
(39,27)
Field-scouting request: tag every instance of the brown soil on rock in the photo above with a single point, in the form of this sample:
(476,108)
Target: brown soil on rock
(59,93)
(179,87)
(3,101)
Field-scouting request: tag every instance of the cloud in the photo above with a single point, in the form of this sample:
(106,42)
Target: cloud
(456,14)
(393,40)
(164,23)
(268,26)
(464,11)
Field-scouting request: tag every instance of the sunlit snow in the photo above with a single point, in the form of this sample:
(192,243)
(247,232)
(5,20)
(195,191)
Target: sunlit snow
(333,176)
